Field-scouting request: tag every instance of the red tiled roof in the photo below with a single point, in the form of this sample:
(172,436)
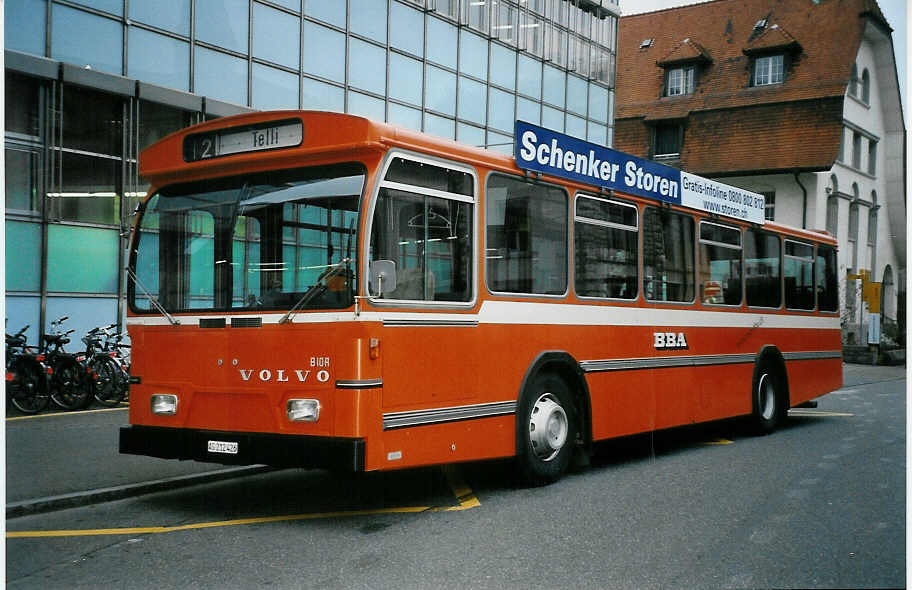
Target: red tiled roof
(822,39)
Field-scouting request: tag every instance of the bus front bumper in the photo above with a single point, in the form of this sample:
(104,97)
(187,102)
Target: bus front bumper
(244,448)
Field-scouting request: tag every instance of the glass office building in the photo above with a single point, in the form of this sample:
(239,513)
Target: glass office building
(90,83)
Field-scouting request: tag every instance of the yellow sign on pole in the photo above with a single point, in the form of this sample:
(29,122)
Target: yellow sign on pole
(872,296)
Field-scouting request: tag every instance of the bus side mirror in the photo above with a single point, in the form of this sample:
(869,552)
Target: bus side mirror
(382,277)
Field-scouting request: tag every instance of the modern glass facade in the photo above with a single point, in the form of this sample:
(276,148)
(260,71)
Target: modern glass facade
(89,83)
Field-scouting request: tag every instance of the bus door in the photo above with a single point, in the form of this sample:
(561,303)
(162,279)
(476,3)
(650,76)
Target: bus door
(423,234)
(669,282)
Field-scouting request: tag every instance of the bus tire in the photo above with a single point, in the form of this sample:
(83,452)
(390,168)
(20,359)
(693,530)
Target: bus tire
(548,426)
(770,405)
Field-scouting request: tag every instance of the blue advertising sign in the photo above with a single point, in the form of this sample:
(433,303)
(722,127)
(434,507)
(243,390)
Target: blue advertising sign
(550,152)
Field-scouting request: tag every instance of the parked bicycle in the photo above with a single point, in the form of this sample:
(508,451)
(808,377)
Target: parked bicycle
(102,360)
(26,375)
(70,384)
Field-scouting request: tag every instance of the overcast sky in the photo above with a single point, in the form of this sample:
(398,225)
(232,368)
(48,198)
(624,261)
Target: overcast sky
(894,10)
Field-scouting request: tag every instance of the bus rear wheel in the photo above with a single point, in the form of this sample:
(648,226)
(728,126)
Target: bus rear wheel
(547,430)
(769,401)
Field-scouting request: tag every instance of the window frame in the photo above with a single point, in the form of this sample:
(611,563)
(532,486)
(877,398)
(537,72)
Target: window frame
(813,262)
(687,82)
(768,70)
(679,129)
(568,228)
(382,183)
(694,256)
(781,266)
(607,225)
(739,247)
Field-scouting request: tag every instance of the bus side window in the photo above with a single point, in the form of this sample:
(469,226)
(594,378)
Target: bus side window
(605,238)
(668,256)
(428,237)
(720,264)
(526,237)
(827,281)
(762,269)
(799,275)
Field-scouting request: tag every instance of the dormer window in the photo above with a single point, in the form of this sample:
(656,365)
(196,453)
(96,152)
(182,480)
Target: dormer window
(769,69)
(680,80)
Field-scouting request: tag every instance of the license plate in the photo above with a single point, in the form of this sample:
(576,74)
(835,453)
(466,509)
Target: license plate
(220,446)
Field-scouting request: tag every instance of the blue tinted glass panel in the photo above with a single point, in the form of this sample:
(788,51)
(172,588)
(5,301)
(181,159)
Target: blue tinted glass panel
(112,6)
(441,45)
(276,36)
(469,134)
(290,4)
(366,106)
(23,272)
(500,143)
(24,25)
(405,116)
(503,66)
(441,91)
(222,23)
(273,89)
(171,15)
(324,52)
(368,19)
(576,95)
(598,133)
(158,59)
(528,110)
(473,55)
(529,78)
(439,126)
(319,96)
(81,259)
(405,81)
(367,66)
(24,311)
(553,119)
(84,313)
(500,110)
(554,86)
(70,29)
(471,101)
(329,12)
(220,76)
(576,126)
(406,29)
(598,103)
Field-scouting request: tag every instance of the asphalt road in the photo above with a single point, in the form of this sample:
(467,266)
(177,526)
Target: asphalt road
(819,504)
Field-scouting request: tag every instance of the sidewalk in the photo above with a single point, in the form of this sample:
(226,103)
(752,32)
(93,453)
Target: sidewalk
(853,374)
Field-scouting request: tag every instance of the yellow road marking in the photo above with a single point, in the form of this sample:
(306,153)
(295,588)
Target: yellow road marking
(718,441)
(463,493)
(65,413)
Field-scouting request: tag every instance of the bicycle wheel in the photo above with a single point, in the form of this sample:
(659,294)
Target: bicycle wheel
(110,384)
(70,386)
(27,390)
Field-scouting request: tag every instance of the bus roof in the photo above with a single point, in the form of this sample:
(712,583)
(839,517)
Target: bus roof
(323,137)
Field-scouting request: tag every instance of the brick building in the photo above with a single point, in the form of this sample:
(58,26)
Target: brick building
(795,99)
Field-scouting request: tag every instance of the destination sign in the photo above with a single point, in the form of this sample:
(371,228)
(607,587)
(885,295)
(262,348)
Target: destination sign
(549,152)
(253,138)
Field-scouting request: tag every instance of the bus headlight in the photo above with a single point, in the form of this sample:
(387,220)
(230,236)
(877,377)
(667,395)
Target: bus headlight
(303,410)
(164,404)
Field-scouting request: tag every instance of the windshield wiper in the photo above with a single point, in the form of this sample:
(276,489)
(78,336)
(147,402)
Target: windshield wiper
(317,289)
(174,321)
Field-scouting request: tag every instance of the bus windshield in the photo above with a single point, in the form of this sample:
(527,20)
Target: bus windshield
(269,241)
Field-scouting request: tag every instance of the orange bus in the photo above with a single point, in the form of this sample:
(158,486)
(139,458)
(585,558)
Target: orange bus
(319,290)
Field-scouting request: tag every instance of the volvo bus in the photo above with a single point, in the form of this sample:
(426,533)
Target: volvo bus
(316,289)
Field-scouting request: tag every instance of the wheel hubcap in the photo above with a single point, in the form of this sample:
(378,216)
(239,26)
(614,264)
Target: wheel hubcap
(548,427)
(767,397)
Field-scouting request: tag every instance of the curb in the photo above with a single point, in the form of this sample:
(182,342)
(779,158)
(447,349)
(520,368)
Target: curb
(76,499)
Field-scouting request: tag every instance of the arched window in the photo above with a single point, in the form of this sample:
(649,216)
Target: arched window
(889,295)
(872,229)
(853,228)
(866,86)
(853,81)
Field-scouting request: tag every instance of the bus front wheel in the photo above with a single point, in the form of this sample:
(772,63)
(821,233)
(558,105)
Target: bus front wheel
(547,430)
